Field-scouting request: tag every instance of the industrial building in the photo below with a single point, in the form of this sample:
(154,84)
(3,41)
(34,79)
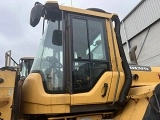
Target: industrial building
(141,27)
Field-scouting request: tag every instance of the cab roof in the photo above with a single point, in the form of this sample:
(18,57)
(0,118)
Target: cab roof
(54,4)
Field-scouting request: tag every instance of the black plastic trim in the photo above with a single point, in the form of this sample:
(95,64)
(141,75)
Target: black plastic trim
(8,68)
(94,107)
(15,110)
(66,58)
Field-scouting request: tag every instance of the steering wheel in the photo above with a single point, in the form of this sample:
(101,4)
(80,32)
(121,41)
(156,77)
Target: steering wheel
(53,61)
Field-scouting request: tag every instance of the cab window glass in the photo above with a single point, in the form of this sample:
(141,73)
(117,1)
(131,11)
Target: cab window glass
(80,38)
(96,39)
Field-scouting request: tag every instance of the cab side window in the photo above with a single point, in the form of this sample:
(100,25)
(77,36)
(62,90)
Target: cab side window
(80,39)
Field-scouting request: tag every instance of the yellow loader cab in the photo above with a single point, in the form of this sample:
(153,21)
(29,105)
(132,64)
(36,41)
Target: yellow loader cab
(81,72)
(78,66)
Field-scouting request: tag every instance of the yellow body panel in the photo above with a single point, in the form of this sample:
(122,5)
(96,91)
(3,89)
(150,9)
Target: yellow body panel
(137,103)
(113,48)
(114,86)
(133,110)
(6,93)
(85,12)
(115,63)
(36,101)
(146,78)
(95,95)
(155,69)
(33,108)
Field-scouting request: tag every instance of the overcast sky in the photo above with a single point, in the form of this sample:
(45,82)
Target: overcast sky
(17,35)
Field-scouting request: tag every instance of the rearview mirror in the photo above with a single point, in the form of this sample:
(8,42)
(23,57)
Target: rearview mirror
(36,14)
(57,37)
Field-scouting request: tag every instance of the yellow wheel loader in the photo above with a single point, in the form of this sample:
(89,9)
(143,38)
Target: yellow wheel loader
(80,72)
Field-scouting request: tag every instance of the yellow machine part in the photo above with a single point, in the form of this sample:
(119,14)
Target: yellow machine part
(39,102)
(94,96)
(6,93)
(137,103)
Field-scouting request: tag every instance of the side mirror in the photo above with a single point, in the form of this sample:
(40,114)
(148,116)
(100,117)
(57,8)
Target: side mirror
(36,14)
(57,37)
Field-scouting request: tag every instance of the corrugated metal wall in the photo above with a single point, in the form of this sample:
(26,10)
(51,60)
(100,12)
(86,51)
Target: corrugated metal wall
(146,13)
(148,46)
(142,27)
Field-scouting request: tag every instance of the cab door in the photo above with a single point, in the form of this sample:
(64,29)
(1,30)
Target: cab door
(91,70)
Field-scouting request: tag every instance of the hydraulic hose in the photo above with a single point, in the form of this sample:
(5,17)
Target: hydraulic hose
(126,69)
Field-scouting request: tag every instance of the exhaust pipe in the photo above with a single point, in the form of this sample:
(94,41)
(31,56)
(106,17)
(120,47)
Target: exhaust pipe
(127,71)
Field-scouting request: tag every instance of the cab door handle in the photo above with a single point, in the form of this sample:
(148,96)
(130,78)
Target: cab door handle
(105,89)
